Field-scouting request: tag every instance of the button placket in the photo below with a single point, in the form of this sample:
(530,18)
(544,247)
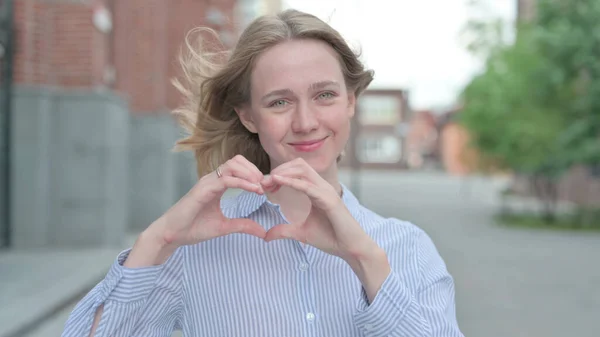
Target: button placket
(304,275)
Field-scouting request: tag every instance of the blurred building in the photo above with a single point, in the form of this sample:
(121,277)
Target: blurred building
(422,140)
(90,130)
(456,154)
(379,133)
(435,140)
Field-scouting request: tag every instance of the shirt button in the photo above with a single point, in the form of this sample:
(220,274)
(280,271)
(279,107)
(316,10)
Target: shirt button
(310,316)
(368,327)
(303,266)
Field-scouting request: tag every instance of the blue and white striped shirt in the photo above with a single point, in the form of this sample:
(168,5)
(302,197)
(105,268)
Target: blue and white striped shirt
(239,285)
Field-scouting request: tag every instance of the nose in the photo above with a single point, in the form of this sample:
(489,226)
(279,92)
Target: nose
(305,119)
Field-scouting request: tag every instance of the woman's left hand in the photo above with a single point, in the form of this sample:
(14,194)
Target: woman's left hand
(329,226)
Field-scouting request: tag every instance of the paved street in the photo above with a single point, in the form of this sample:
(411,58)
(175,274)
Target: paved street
(510,282)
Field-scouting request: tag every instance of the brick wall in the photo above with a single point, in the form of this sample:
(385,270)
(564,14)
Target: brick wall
(57,45)
(422,138)
(456,155)
(148,38)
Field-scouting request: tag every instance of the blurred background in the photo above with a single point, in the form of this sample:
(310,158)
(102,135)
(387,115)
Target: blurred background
(482,127)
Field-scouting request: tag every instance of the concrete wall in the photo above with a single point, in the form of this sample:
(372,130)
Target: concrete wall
(70,168)
(86,171)
(158,175)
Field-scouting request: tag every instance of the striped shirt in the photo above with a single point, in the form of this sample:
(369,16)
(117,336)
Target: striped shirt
(239,285)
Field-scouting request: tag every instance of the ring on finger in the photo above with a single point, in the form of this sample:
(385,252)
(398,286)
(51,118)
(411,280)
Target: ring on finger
(219,172)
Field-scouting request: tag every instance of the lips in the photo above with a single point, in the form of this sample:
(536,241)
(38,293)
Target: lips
(308,145)
(308,142)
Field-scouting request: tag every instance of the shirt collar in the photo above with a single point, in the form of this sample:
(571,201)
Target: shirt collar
(249,202)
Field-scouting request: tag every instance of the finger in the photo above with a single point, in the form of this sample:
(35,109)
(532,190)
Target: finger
(239,170)
(309,171)
(298,184)
(239,183)
(297,168)
(269,185)
(210,187)
(250,167)
(267,181)
(292,172)
(284,166)
(246,226)
(285,231)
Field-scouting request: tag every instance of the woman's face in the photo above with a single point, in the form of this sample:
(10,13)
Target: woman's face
(300,106)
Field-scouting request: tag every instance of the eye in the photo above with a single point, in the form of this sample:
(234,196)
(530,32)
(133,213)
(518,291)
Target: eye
(278,103)
(326,95)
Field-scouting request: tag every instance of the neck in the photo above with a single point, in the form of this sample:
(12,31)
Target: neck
(295,205)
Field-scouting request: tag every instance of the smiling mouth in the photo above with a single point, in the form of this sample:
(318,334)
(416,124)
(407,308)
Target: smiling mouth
(308,146)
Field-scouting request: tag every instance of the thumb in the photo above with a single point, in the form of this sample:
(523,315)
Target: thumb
(284,231)
(246,226)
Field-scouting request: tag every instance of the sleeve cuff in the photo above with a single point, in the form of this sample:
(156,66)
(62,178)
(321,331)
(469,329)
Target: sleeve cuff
(129,284)
(390,305)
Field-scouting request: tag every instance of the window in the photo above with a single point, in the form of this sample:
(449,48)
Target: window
(379,149)
(379,110)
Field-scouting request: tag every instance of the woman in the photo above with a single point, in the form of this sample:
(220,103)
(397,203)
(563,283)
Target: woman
(294,254)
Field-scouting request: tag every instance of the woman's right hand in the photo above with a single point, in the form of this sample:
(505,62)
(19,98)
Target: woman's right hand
(197,216)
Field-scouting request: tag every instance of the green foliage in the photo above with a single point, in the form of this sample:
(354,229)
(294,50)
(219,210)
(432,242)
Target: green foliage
(535,109)
(581,220)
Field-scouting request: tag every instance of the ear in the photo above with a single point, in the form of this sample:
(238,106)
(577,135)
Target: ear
(351,104)
(246,118)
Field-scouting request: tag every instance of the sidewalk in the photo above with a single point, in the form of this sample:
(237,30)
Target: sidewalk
(34,285)
(38,288)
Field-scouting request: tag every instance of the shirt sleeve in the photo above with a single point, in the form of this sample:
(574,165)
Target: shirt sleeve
(427,311)
(137,301)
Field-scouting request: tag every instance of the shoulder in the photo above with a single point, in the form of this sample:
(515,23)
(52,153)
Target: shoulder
(390,230)
(409,247)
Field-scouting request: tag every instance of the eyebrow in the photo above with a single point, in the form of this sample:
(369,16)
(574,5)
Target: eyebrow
(323,84)
(314,86)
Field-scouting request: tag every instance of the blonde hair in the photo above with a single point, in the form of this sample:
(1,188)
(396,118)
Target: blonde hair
(218,81)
